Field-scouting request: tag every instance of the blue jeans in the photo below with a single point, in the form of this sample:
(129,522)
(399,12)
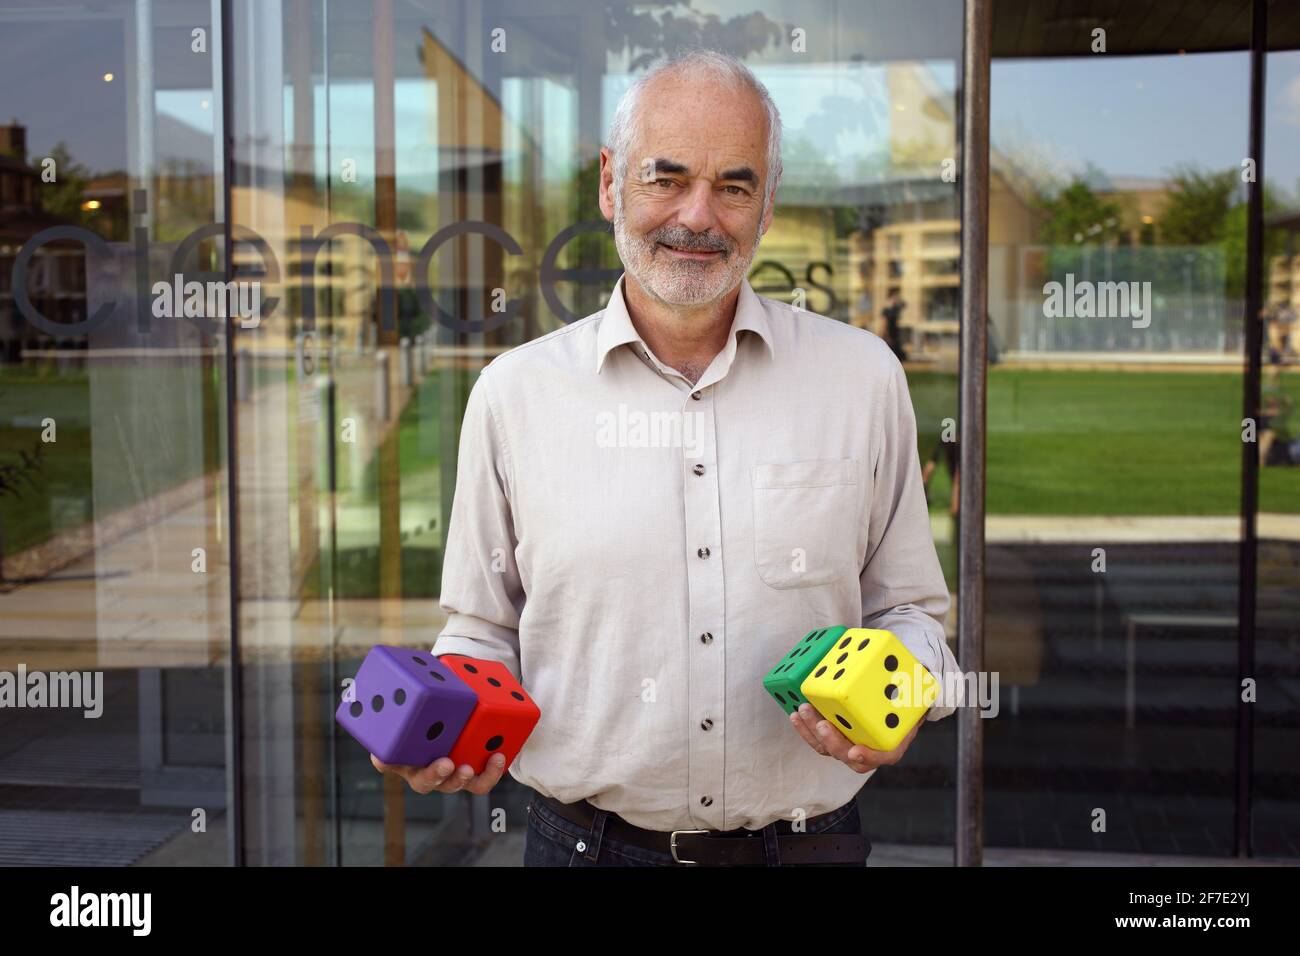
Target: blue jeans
(553,840)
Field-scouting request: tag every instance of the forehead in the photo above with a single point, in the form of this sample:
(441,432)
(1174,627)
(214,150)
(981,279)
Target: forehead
(681,115)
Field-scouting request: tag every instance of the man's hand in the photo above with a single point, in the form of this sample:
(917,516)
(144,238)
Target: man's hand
(438,776)
(823,737)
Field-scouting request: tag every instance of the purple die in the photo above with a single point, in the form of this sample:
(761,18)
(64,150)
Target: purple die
(409,706)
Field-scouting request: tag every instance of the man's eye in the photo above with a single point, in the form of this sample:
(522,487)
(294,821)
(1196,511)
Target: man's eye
(664,183)
(735,190)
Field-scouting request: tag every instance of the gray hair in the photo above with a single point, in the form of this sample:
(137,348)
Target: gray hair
(722,67)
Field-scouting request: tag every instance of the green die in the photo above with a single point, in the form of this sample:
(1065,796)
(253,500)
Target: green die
(783,680)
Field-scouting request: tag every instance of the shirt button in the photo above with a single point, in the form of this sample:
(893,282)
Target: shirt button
(706,801)
(698,469)
(696,395)
(704,552)
(706,723)
(706,638)
(581,847)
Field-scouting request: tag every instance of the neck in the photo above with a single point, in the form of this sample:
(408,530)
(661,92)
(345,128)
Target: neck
(687,338)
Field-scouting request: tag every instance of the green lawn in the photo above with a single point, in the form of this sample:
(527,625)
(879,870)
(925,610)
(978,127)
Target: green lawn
(1109,442)
(1059,442)
(58,494)
(418,440)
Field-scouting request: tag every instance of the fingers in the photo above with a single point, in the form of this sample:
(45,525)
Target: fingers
(825,738)
(420,779)
(443,776)
(862,756)
(438,776)
(490,776)
(805,730)
(840,746)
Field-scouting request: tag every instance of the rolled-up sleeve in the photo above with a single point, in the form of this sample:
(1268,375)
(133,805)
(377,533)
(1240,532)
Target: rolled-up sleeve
(903,588)
(481,589)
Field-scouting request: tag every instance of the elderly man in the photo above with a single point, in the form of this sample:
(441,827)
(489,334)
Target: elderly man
(654,503)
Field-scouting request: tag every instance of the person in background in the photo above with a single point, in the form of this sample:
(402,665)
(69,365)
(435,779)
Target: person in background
(893,314)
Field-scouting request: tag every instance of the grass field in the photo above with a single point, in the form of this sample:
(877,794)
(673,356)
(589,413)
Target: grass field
(1109,442)
(1059,443)
(58,495)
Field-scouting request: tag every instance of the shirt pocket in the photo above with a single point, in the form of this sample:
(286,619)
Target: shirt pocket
(806,521)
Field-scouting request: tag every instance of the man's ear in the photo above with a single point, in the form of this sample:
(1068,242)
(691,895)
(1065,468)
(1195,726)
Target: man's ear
(606,196)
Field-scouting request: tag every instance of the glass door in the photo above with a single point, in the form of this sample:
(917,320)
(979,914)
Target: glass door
(425,173)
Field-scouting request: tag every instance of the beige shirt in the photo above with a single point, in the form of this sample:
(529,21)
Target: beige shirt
(640,552)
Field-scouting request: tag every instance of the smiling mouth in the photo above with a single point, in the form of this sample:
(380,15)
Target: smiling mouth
(692,253)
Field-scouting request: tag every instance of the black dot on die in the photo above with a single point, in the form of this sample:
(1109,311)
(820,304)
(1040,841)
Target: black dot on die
(436,675)
(377,703)
(399,697)
(777,695)
(494,682)
(433,732)
(891,691)
(847,725)
(356,708)
(471,668)
(841,659)
(495,742)
(891,663)
(420,660)
(516,695)
(865,642)
(838,674)
(845,643)
(891,721)
(820,671)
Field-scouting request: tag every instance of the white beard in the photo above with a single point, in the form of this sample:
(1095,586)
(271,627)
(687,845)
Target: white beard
(678,281)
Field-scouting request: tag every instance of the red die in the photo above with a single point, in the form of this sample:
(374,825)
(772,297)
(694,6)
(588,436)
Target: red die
(502,720)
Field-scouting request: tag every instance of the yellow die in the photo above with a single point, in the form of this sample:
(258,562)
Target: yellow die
(871,687)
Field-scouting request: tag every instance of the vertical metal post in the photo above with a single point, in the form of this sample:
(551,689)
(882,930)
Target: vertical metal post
(235,725)
(387,457)
(1247,572)
(968,845)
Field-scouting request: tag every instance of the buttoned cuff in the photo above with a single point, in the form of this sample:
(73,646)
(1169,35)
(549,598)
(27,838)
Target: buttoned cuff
(929,647)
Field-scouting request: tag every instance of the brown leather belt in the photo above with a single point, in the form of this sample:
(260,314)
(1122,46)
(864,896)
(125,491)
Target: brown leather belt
(723,847)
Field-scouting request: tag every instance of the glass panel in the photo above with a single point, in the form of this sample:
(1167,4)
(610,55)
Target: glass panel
(1116,286)
(114,580)
(1277,609)
(402,119)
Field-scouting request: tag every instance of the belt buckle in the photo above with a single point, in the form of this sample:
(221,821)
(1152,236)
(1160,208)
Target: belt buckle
(672,843)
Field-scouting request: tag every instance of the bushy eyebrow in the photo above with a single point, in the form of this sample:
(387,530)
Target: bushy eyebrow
(742,174)
(739,174)
(669,166)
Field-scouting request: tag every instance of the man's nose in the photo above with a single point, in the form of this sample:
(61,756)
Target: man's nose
(696,211)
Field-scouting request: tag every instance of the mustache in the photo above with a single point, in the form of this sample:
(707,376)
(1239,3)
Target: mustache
(690,241)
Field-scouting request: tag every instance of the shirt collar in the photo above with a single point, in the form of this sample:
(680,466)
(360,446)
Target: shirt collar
(616,326)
